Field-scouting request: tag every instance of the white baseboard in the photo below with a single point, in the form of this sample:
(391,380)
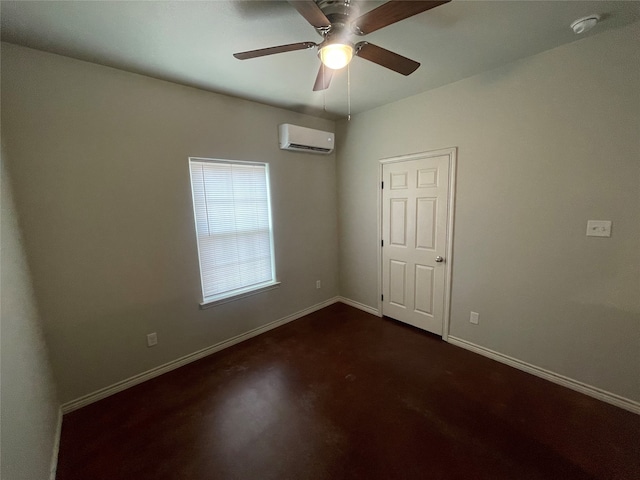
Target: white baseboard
(360,306)
(192,357)
(576,385)
(56,447)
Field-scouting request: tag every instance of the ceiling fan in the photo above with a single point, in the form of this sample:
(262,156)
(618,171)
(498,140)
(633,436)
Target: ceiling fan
(332,20)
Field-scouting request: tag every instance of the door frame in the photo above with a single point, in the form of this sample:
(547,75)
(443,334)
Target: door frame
(452,153)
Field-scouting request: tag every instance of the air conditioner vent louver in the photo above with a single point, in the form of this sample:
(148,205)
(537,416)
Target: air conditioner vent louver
(302,139)
(297,146)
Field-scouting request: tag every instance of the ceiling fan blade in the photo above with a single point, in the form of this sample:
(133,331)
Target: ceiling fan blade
(392,12)
(386,58)
(273,50)
(311,12)
(325,74)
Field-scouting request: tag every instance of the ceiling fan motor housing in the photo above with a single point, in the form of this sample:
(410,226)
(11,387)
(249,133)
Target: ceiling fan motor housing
(338,13)
(333,7)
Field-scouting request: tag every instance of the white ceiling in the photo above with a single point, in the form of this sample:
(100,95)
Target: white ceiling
(192,43)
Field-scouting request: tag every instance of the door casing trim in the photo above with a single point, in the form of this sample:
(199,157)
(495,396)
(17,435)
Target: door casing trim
(452,153)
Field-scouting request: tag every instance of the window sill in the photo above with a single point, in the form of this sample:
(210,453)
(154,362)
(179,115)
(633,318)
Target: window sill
(214,301)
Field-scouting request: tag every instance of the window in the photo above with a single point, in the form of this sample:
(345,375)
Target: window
(233,227)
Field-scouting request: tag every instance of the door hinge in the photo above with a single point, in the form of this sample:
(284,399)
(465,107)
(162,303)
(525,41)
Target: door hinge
(382,298)
(382,185)
(382,243)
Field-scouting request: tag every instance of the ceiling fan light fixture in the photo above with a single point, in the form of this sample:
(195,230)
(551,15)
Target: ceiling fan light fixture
(336,55)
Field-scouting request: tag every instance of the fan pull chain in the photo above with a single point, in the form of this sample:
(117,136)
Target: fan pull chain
(349,92)
(324,90)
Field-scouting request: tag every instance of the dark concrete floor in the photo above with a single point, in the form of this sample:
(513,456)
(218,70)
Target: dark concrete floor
(341,394)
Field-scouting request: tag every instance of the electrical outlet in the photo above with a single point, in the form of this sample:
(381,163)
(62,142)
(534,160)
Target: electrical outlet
(598,228)
(318,284)
(152,339)
(474,318)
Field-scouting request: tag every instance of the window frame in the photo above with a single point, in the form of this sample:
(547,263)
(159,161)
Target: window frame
(243,292)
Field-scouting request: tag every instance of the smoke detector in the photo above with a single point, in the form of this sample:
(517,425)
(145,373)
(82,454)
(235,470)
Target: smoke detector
(584,24)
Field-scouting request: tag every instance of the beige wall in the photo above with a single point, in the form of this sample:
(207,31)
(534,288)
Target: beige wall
(30,409)
(545,144)
(98,160)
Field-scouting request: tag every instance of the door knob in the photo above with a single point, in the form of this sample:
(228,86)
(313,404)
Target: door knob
(439,259)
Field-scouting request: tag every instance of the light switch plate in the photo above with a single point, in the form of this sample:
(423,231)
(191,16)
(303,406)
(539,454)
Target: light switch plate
(598,228)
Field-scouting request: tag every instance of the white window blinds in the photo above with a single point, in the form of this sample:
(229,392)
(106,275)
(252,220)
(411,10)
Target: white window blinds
(233,226)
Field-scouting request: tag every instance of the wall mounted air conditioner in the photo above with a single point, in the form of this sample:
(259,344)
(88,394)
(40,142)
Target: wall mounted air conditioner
(302,139)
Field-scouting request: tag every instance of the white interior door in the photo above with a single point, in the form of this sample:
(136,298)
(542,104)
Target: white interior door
(415,220)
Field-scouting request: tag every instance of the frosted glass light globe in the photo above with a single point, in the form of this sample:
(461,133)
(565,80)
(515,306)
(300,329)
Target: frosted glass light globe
(336,55)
